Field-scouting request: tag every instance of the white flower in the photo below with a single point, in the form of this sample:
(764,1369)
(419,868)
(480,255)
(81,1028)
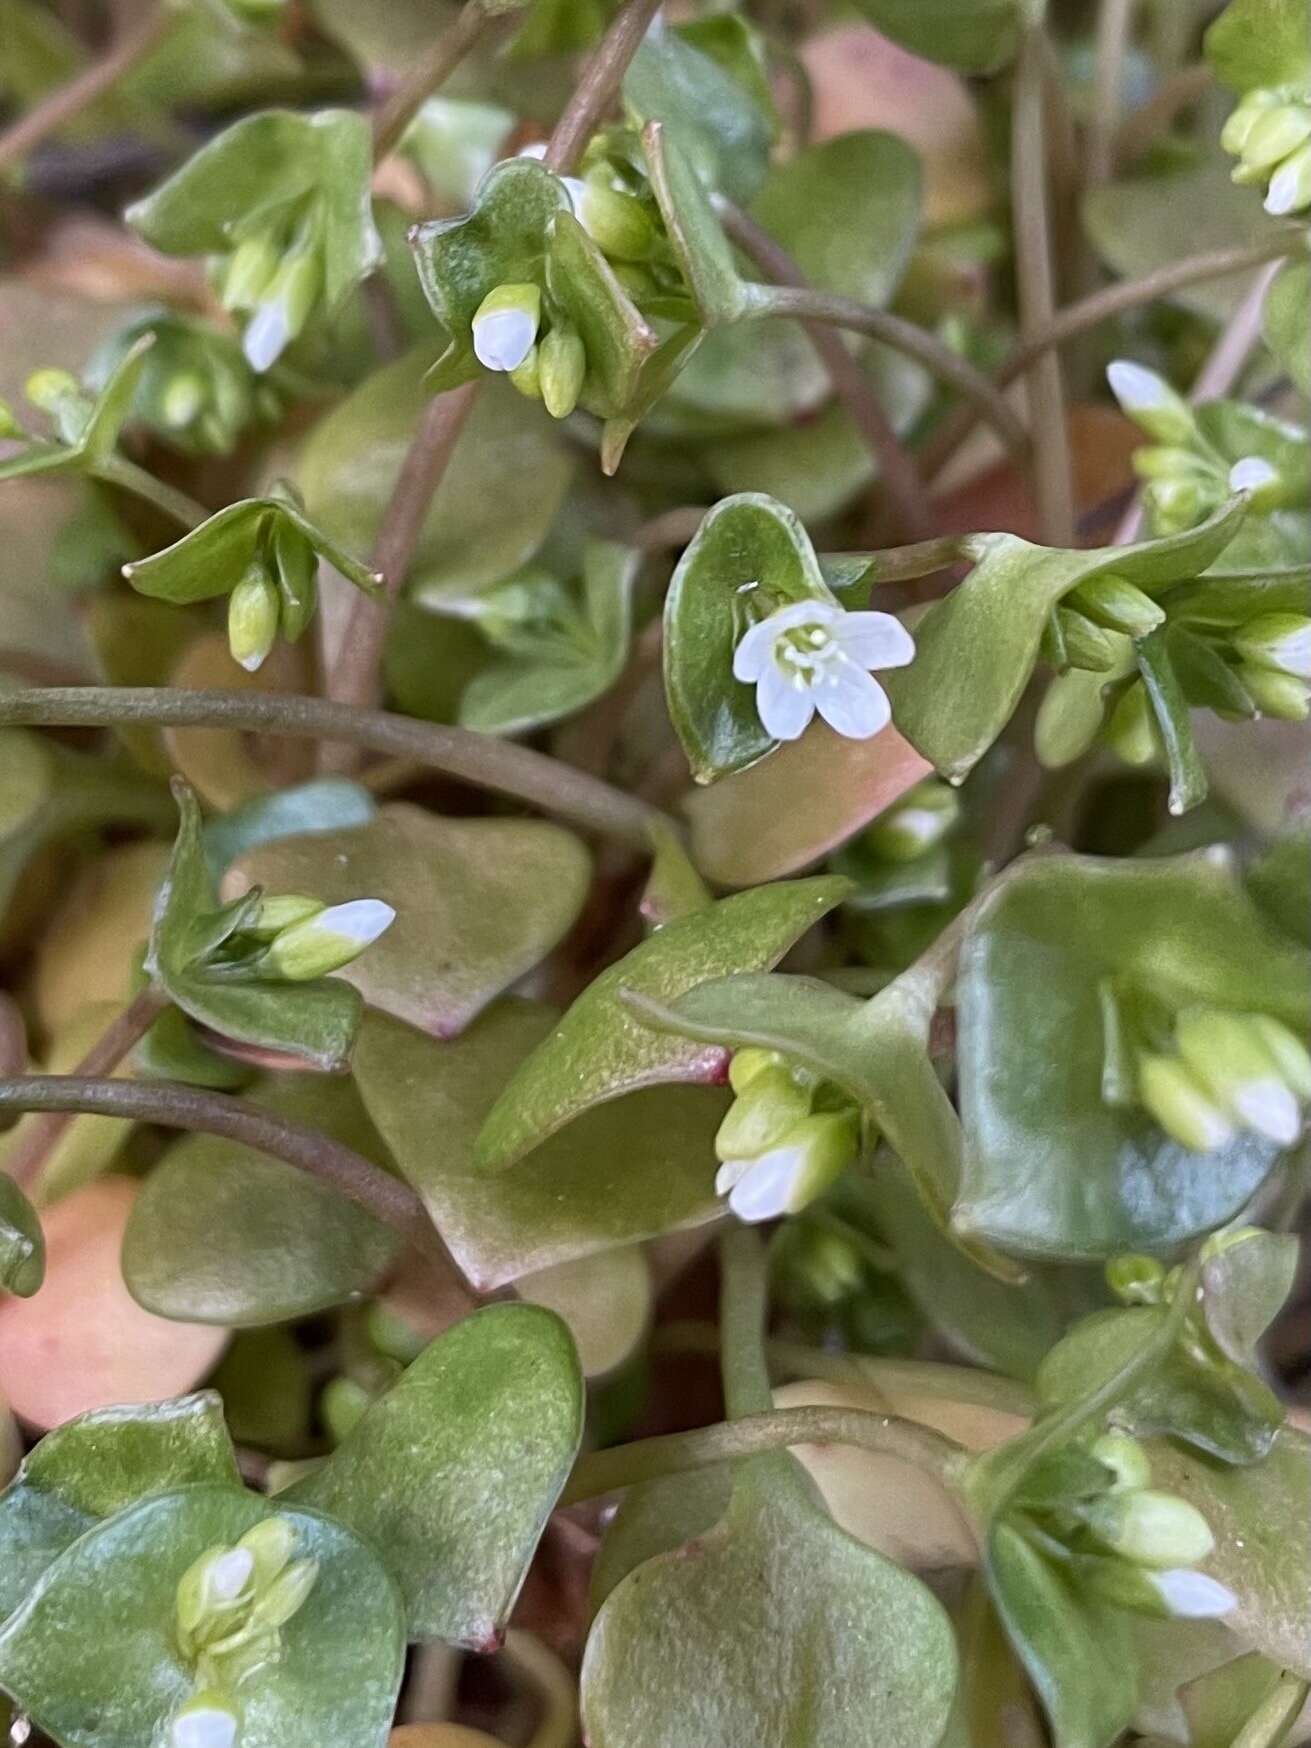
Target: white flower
(208,1721)
(812,655)
(328,940)
(1192,1596)
(786,1178)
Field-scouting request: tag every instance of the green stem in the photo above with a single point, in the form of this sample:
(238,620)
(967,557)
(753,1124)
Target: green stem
(599,86)
(1035,278)
(479,759)
(1114,28)
(677,1453)
(118,471)
(902,564)
(743,1307)
(433,69)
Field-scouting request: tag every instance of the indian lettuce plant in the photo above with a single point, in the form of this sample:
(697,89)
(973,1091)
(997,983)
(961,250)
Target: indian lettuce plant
(655,873)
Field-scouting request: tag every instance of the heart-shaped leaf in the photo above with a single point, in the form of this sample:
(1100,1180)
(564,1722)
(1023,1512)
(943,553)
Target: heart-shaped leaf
(977,36)
(605,1301)
(618,1173)
(655,1517)
(424,1477)
(975,650)
(98,1464)
(478,903)
(599,1051)
(1050,1168)
(22,1245)
(92,1654)
(1259,42)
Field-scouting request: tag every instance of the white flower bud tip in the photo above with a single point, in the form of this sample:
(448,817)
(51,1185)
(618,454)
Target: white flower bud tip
(505,326)
(266,337)
(207,1721)
(1252,474)
(330,940)
(1277,640)
(1150,402)
(230,1574)
(1268,1108)
(1290,186)
(1192,1596)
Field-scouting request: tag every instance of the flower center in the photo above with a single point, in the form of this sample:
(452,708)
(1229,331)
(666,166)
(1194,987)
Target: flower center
(807,654)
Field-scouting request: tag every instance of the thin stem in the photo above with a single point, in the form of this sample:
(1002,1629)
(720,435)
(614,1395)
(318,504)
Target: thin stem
(743,1307)
(118,471)
(176,1106)
(68,101)
(431,72)
(676,1453)
(1052,475)
(479,759)
(902,564)
(1114,28)
(119,1037)
(897,471)
(945,365)
(599,85)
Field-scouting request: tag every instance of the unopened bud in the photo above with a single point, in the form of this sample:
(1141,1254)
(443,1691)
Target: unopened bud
(285,307)
(1276,695)
(279,912)
(1236,130)
(638,282)
(271,1543)
(1281,641)
(762,1115)
(207,1720)
(1118,605)
(1286,1050)
(1272,134)
(254,608)
(916,823)
(182,399)
(1175,504)
(211,1588)
(9,425)
(617,223)
(329,940)
(1131,730)
(563,367)
(250,271)
(1181,1105)
(1125,1458)
(790,1176)
(49,389)
(1290,186)
(1087,646)
(1255,476)
(746,1064)
(1150,402)
(527,377)
(816,1266)
(505,326)
(342,1406)
(1227,1057)
(1151,1528)
(1136,1279)
(275,1605)
(1158,461)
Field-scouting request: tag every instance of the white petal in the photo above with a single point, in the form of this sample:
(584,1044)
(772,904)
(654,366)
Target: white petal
(1136,388)
(853,702)
(230,1573)
(766,1190)
(205,1727)
(361,920)
(1192,1596)
(874,640)
(804,613)
(755,652)
(730,1174)
(1270,1108)
(266,336)
(1251,473)
(502,339)
(785,709)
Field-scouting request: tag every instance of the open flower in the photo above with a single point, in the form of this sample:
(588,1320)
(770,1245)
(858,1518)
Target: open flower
(812,655)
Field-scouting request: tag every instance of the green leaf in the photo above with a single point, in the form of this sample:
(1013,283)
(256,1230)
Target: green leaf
(223,1234)
(599,1051)
(620,1172)
(498,497)
(655,1517)
(1209,1403)
(1165,694)
(1079,1653)
(99,1464)
(975,36)
(92,1654)
(1244,1287)
(618,339)
(478,902)
(262,162)
(1050,1168)
(1260,1515)
(453,1473)
(88,441)
(1287,321)
(774,1627)
(976,649)
(697,237)
(22,1246)
(1280,882)
(211,559)
(716,122)
(747,546)
(1259,42)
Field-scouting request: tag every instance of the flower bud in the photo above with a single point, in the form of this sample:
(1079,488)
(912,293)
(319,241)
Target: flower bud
(50,388)
(1118,605)
(249,271)
(1181,1105)
(617,223)
(762,1115)
(1087,646)
(527,377)
(9,425)
(1277,695)
(228,1663)
(1156,461)
(1136,1279)
(1281,641)
(746,1064)
(211,1589)
(1255,476)
(638,282)
(916,823)
(505,326)
(328,940)
(1150,402)
(1286,1050)
(279,912)
(1178,1593)
(790,1176)
(254,608)
(1255,104)
(1271,135)
(275,1606)
(271,1543)
(1227,1057)
(183,398)
(1125,1458)
(817,1267)
(1151,1528)
(207,1720)
(1175,504)
(1131,731)
(285,307)
(1290,186)
(563,367)
(342,1406)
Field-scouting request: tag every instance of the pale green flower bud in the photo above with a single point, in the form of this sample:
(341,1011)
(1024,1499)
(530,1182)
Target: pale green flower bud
(1151,1528)
(823,1267)
(48,389)
(1175,504)
(392,1335)
(1227,1057)
(343,1405)
(1125,1458)
(182,400)
(254,608)
(275,1605)
(1181,1105)
(1150,402)
(1244,118)
(285,307)
(1118,605)
(1178,1593)
(9,425)
(211,1589)
(1087,646)
(1136,1279)
(916,823)
(1131,731)
(1277,695)
(1290,186)
(228,1663)
(637,281)
(791,1175)
(762,1115)
(279,912)
(329,940)
(1286,1050)
(1255,476)
(617,223)
(563,367)
(250,271)
(527,377)
(271,1543)
(1157,461)
(746,1064)
(1281,641)
(1272,135)
(207,1720)
(505,326)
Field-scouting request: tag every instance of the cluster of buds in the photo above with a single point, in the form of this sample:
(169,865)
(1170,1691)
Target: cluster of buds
(787,1136)
(517,331)
(1135,1545)
(1270,135)
(196,390)
(231,1606)
(274,277)
(1227,1071)
(615,206)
